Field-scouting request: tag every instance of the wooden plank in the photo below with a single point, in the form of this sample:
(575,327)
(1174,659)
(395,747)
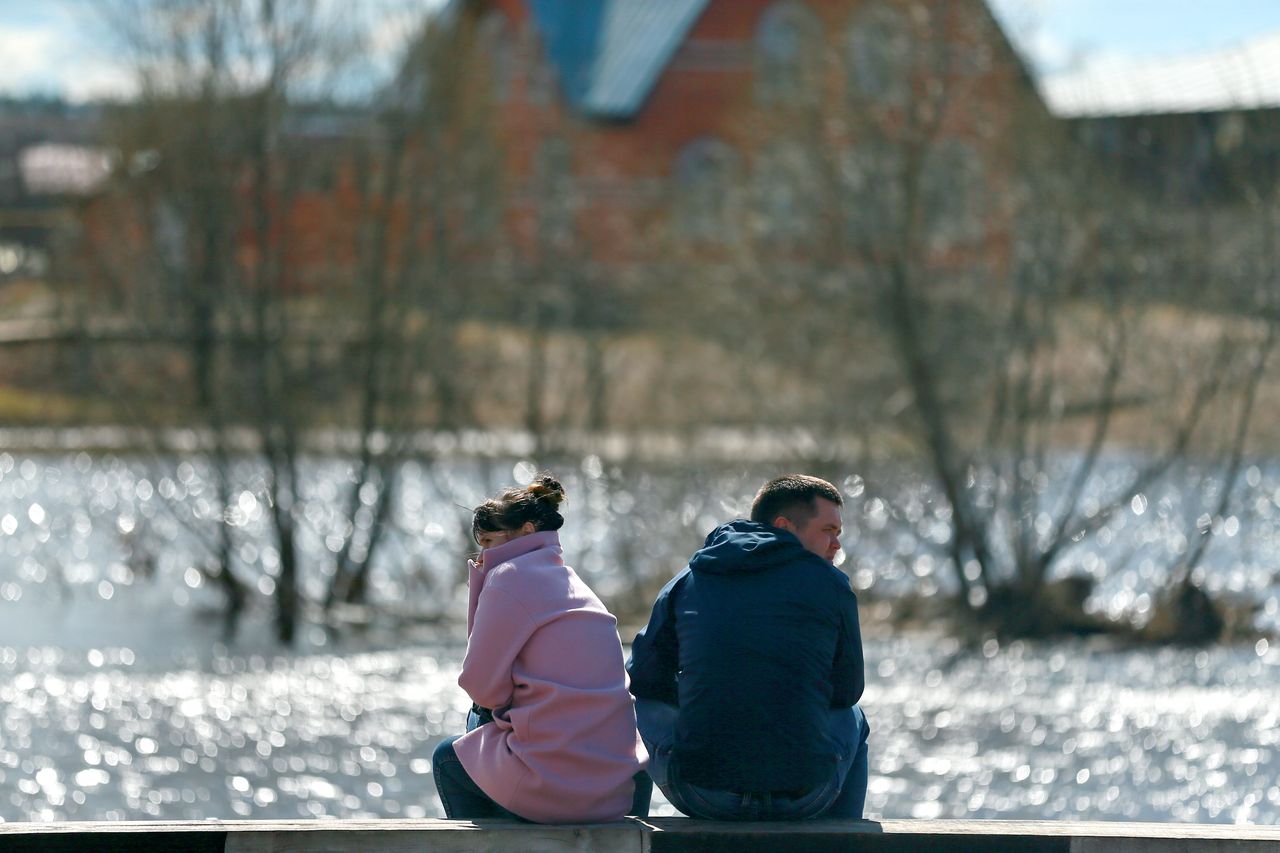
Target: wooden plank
(440,837)
(822,836)
(114,827)
(1047,828)
(657,834)
(1171,845)
(81,837)
(961,836)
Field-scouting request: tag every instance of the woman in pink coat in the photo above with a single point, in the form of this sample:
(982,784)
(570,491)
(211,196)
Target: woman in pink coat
(543,653)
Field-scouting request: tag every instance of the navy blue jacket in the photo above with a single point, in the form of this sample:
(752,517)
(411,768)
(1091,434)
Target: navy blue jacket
(755,642)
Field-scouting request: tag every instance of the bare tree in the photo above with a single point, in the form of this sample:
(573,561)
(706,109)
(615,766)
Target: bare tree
(942,259)
(302,258)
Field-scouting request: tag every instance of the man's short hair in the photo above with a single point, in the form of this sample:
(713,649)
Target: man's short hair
(792,496)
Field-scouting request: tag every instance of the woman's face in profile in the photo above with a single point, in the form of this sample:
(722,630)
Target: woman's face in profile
(492,538)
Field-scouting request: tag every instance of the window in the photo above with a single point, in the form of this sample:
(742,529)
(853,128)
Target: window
(872,182)
(952,193)
(966,50)
(787,192)
(880,54)
(554,186)
(706,172)
(540,71)
(496,47)
(482,200)
(787,60)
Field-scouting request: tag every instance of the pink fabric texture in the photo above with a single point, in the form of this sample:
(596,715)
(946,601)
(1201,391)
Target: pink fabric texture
(544,653)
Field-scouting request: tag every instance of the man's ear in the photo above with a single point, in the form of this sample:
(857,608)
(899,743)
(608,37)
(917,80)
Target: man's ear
(784,523)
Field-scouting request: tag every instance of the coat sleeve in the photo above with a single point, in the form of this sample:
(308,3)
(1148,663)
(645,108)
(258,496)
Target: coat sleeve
(499,631)
(655,653)
(847,676)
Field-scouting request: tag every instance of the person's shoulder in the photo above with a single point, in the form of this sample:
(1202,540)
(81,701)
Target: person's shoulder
(827,578)
(678,579)
(843,583)
(672,587)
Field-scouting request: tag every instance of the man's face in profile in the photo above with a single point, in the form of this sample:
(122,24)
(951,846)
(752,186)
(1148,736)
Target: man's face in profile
(820,534)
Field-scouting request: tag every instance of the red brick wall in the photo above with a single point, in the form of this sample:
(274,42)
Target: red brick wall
(707,90)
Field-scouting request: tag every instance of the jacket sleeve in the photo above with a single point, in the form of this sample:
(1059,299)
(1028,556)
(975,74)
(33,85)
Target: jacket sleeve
(499,631)
(847,676)
(655,653)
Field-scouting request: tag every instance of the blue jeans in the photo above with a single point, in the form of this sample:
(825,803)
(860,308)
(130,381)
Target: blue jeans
(841,796)
(463,799)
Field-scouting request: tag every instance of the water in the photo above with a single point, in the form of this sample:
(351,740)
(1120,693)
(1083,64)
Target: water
(73,525)
(119,700)
(1073,731)
(1066,731)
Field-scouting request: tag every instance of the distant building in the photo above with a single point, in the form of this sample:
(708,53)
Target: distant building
(626,118)
(648,104)
(1193,140)
(1242,77)
(49,159)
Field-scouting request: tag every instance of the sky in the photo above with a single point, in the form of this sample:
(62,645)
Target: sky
(1058,35)
(56,47)
(64,47)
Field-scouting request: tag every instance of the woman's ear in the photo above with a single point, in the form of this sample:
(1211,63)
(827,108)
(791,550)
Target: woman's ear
(527,528)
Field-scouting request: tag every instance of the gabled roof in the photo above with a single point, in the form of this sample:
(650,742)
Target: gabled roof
(1243,77)
(610,53)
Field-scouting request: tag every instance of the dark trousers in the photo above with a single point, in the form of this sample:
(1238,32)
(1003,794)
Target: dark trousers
(841,796)
(463,800)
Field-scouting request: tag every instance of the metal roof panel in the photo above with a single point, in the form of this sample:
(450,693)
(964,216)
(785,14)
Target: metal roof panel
(610,53)
(638,39)
(1243,77)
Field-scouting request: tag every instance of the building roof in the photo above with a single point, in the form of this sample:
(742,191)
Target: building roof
(610,53)
(52,168)
(1243,77)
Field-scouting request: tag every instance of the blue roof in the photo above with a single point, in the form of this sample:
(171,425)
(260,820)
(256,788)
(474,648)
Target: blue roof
(610,53)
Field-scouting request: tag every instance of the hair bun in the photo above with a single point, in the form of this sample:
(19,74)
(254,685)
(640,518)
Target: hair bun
(547,489)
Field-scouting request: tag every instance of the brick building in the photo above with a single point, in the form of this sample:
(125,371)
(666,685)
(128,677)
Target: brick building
(1191,142)
(48,161)
(660,109)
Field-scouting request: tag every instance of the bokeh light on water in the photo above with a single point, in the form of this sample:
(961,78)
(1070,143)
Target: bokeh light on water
(98,736)
(1068,731)
(117,704)
(1074,731)
(73,524)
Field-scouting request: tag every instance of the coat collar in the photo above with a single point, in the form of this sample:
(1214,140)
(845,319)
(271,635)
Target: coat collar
(499,554)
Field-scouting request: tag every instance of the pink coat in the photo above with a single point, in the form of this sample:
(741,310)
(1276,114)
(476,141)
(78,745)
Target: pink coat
(544,653)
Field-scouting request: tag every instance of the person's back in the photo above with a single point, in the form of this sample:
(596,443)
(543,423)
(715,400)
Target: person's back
(552,733)
(749,653)
(760,621)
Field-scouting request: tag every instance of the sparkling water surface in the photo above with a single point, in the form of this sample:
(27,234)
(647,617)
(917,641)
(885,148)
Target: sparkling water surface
(1066,731)
(121,699)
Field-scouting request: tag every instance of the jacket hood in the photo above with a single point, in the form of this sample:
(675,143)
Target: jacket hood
(744,547)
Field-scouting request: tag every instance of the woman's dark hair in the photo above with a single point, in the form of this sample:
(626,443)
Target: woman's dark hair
(537,502)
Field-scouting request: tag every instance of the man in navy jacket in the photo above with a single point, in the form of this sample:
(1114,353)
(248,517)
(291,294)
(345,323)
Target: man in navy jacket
(748,673)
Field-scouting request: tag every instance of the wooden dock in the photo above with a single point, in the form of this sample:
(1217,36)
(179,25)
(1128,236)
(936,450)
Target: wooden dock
(633,836)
